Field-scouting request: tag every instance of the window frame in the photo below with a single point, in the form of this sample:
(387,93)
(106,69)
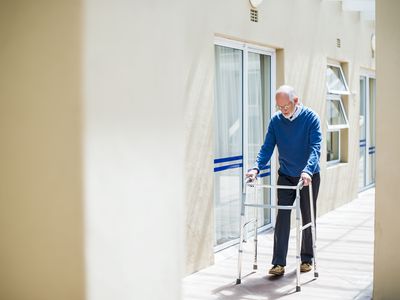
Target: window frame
(259,49)
(347,92)
(334,97)
(368,74)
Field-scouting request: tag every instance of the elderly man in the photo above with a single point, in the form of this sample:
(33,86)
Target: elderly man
(296,131)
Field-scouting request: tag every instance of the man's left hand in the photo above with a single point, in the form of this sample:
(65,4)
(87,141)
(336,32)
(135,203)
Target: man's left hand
(306,178)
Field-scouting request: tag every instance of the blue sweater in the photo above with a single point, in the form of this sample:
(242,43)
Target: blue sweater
(298,142)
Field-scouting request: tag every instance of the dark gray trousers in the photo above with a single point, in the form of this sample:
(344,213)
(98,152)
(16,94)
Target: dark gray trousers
(282,227)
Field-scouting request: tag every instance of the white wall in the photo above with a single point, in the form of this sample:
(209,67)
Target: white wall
(92,152)
(134,77)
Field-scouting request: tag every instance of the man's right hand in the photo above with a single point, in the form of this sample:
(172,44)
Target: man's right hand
(251,175)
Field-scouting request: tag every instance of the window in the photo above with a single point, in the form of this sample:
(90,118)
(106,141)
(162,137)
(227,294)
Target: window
(336,82)
(333,145)
(337,121)
(336,116)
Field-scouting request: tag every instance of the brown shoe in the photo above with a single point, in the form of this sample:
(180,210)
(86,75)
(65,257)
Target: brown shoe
(277,270)
(305,267)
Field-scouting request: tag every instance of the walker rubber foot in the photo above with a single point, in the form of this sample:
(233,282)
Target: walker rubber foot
(238,281)
(255,267)
(316,274)
(298,289)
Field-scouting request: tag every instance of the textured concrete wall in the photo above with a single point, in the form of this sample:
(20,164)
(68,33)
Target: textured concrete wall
(306,30)
(387,205)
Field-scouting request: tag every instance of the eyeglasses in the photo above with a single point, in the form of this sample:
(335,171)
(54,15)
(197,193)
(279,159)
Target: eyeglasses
(285,107)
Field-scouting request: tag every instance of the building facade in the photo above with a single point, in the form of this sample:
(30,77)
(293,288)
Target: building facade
(242,55)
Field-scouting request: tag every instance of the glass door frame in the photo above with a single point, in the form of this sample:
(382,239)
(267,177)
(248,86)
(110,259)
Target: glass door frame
(363,143)
(367,74)
(246,48)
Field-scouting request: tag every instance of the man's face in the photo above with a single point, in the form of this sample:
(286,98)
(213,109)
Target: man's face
(283,103)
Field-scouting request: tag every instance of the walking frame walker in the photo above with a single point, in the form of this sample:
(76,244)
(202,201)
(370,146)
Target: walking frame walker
(299,228)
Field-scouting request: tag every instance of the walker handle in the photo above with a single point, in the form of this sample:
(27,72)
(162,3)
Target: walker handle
(249,180)
(300,185)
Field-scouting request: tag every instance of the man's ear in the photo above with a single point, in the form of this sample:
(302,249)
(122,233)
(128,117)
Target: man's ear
(296,100)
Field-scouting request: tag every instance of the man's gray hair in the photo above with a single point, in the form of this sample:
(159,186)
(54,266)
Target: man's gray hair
(288,90)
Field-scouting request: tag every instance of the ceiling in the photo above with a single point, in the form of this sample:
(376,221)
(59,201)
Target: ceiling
(366,8)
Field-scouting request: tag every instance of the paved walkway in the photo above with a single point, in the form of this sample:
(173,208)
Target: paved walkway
(345,260)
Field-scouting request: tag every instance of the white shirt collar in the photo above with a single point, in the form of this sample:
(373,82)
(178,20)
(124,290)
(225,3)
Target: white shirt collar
(296,112)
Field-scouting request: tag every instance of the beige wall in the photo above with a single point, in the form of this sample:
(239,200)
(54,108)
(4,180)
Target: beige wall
(41,208)
(306,30)
(387,205)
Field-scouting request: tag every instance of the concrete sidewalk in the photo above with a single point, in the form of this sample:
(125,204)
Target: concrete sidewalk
(345,263)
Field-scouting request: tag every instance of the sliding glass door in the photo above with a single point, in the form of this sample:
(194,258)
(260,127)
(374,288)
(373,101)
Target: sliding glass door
(242,111)
(371,140)
(362,166)
(258,116)
(228,142)
(367,132)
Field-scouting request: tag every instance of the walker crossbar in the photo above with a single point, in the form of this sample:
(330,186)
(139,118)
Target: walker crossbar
(289,207)
(299,227)
(282,187)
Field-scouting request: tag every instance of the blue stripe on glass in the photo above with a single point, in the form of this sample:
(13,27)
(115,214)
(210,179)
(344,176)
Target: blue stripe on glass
(363,145)
(361,141)
(265,174)
(371,152)
(225,159)
(372,148)
(233,166)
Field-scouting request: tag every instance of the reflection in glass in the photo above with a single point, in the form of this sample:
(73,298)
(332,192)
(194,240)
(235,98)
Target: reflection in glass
(332,143)
(335,80)
(335,112)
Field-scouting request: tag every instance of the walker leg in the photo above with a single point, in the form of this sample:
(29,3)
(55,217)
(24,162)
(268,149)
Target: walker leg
(298,241)
(255,244)
(240,251)
(313,231)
